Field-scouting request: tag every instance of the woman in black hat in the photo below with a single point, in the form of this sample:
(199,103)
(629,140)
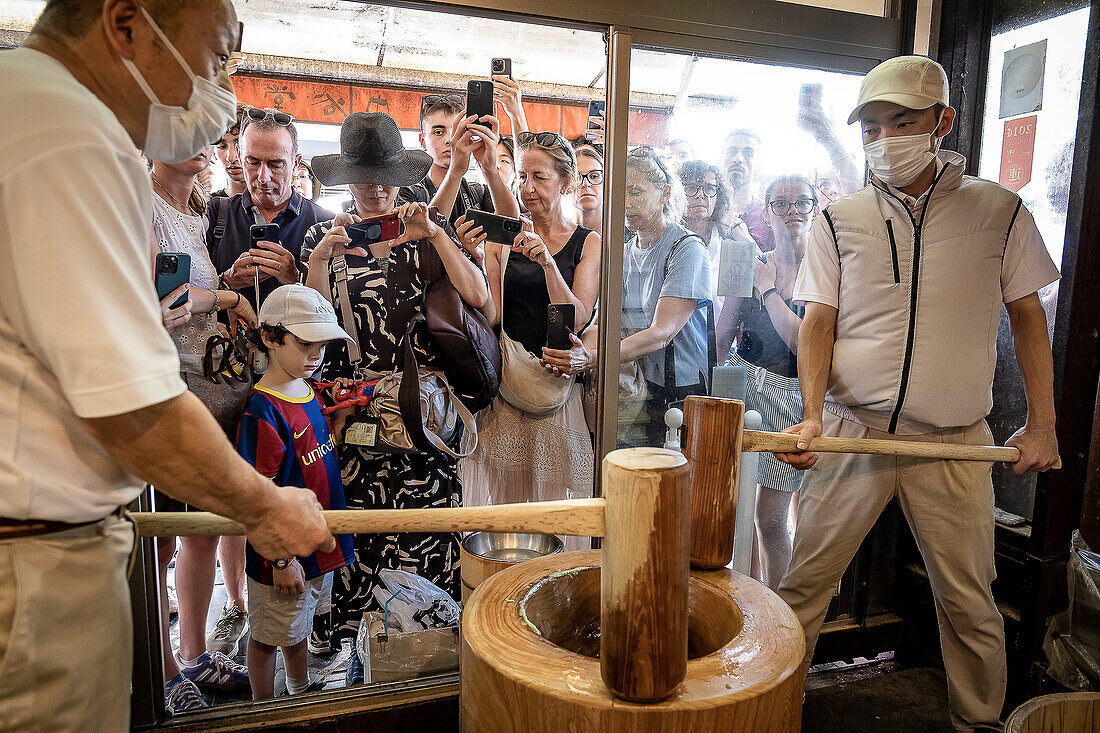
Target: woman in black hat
(384,285)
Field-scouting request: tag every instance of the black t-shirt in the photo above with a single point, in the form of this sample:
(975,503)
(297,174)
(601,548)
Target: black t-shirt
(471,195)
(759,342)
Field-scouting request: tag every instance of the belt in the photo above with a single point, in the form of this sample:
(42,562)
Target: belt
(11,529)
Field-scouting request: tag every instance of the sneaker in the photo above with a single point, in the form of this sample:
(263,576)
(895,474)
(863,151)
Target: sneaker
(354,675)
(181,694)
(214,669)
(227,632)
(320,641)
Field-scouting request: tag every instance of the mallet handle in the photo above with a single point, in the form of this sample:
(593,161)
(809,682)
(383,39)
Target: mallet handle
(756,441)
(581,517)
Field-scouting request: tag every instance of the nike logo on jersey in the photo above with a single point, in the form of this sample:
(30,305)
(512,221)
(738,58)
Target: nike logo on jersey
(298,435)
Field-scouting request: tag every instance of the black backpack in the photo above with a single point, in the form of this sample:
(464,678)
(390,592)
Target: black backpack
(468,347)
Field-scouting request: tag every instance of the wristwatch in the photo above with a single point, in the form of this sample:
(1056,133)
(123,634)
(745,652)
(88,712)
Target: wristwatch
(281,564)
(768,292)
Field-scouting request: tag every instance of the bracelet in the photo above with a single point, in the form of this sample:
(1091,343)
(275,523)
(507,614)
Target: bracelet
(217,300)
(237,302)
(768,292)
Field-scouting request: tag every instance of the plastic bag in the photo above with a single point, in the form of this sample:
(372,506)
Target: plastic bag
(412,603)
(1072,643)
(389,643)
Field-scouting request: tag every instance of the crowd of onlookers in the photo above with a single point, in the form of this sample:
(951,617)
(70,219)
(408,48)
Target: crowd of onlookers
(677,325)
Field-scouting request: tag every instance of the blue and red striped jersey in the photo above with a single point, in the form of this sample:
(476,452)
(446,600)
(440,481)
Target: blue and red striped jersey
(288,440)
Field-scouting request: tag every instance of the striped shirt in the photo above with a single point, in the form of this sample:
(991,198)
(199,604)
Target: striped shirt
(287,439)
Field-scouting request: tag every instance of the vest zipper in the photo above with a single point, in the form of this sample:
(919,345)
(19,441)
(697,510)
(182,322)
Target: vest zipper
(908,361)
(893,250)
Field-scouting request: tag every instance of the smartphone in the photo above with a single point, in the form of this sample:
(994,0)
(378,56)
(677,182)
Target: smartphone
(502,67)
(374,230)
(596,120)
(497,228)
(264,233)
(172,270)
(559,324)
(479,98)
(809,95)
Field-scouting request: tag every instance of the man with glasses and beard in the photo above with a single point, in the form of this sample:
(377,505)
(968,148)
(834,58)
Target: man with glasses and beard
(91,402)
(268,152)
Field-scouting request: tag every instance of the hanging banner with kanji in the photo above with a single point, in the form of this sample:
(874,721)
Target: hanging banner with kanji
(1018,152)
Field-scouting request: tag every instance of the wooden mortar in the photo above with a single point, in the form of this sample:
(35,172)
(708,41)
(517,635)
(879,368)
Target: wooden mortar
(529,634)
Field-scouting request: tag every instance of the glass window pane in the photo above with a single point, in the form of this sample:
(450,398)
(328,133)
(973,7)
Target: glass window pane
(711,139)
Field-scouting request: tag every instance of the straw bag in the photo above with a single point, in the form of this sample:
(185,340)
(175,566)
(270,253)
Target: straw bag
(525,384)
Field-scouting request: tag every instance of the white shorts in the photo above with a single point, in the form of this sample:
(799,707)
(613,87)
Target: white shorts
(278,620)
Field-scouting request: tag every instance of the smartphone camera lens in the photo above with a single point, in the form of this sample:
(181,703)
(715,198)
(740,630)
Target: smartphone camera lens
(374,232)
(477,86)
(168,265)
(498,66)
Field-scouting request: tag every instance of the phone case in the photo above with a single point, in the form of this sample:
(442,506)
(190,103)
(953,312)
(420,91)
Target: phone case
(370,231)
(497,228)
(271,233)
(559,324)
(169,281)
(506,67)
(479,98)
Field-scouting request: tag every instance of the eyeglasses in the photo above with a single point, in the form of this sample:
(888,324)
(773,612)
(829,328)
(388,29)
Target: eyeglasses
(545,139)
(592,178)
(691,190)
(430,100)
(780,207)
(645,151)
(259,115)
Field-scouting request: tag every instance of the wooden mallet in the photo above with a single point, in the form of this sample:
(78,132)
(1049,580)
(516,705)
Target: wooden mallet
(713,440)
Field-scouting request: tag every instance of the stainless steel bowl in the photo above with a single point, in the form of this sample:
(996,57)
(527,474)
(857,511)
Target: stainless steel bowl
(510,546)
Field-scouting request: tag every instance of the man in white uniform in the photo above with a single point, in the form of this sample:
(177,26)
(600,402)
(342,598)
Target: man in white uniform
(903,283)
(91,402)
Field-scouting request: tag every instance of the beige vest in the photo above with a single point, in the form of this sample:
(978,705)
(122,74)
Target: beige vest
(920,302)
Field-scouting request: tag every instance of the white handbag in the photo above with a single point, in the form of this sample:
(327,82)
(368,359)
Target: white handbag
(525,384)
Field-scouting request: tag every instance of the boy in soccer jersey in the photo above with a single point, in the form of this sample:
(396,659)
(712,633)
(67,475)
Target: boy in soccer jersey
(284,434)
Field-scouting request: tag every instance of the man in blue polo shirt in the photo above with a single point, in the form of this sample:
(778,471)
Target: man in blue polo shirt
(269,154)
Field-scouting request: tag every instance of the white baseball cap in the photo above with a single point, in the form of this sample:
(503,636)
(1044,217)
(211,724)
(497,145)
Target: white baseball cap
(302,311)
(915,82)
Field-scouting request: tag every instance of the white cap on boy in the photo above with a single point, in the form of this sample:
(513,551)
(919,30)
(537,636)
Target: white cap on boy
(302,311)
(915,82)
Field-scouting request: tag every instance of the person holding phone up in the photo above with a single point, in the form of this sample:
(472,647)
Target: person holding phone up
(522,457)
(268,146)
(452,138)
(385,281)
(178,205)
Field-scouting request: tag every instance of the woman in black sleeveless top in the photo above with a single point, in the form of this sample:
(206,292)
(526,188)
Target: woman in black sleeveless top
(519,456)
(767,339)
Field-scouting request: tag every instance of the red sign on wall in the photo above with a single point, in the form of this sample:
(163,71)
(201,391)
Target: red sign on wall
(1018,152)
(311,101)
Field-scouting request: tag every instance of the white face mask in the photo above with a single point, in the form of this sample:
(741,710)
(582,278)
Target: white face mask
(899,160)
(175,134)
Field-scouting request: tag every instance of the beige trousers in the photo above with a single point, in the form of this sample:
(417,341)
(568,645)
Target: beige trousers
(949,507)
(66,635)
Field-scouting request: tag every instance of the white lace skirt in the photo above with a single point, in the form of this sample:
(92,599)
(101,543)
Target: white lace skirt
(522,457)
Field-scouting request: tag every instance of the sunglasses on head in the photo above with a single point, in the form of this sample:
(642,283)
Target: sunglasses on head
(645,151)
(259,115)
(545,139)
(430,100)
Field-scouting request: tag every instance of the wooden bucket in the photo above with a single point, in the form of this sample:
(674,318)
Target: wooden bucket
(1078,712)
(483,554)
(530,633)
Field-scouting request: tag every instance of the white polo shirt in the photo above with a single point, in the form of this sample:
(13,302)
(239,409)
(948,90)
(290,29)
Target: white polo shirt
(918,286)
(80,327)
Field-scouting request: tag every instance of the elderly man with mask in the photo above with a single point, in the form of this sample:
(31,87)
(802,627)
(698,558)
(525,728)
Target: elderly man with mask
(91,401)
(903,283)
(268,152)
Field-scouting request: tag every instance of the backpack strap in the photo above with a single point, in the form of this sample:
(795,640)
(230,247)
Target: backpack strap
(221,221)
(347,319)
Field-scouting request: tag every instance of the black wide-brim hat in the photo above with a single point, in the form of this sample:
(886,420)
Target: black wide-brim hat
(371,152)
